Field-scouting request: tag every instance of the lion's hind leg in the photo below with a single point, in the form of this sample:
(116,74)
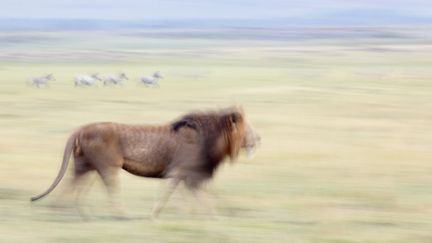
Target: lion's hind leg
(82,187)
(110,178)
(73,191)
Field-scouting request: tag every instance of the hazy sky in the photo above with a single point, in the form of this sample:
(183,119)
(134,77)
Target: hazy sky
(190,9)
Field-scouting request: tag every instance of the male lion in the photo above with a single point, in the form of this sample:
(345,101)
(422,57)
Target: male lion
(188,150)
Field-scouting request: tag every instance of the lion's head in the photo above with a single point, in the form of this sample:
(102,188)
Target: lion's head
(219,134)
(222,131)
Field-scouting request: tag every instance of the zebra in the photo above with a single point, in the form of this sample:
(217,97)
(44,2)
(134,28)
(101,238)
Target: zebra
(114,79)
(152,80)
(42,80)
(88,80)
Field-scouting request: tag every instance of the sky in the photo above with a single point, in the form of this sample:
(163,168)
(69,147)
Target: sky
(204,9)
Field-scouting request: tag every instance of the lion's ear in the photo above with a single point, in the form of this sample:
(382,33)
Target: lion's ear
(182,123)
(233,118)
(236,117)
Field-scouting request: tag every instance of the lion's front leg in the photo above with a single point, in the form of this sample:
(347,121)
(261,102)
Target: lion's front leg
(165,197)
(204,201)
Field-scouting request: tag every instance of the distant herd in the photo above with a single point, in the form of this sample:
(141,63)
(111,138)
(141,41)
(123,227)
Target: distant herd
(92,79)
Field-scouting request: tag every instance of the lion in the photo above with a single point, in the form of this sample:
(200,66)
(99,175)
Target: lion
(187,150)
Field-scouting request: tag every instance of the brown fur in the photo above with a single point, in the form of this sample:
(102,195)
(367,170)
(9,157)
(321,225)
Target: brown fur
(189,149)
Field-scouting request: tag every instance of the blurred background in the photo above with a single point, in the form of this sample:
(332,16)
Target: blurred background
(339,90)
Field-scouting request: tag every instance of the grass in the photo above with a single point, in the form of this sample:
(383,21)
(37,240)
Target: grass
(345,129)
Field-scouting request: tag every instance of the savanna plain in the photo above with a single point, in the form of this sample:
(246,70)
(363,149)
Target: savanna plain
(345,121)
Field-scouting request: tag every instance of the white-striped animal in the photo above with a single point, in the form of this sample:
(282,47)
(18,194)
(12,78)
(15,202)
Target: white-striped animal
(152,80)
(114,79)
(86,80)
(42,80)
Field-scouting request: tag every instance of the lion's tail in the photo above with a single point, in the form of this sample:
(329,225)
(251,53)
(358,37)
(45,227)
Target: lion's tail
(66,157)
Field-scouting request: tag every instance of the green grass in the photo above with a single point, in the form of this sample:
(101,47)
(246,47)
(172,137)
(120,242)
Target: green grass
(345,155)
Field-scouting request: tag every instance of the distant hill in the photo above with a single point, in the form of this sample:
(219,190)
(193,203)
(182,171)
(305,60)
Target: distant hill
(351,18)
